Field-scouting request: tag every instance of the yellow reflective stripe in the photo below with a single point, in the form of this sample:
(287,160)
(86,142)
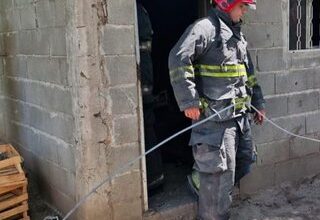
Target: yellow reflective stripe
(181,73)
(221,71)
(221,74)
(224,68)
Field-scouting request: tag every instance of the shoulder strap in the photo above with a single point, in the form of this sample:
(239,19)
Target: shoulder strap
(216,23)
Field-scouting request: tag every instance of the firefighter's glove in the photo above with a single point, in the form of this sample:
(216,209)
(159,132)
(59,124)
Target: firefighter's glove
(259,117)
(192,113)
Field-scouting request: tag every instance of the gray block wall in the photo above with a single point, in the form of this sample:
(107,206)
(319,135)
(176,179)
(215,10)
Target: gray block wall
(290,81)
(36,113)
(69,100)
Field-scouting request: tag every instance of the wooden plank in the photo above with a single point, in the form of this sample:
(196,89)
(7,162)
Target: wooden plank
(15,200)
(14,211)
(10,184)
(26,217)
(12,178)
(10,161)
(22,186)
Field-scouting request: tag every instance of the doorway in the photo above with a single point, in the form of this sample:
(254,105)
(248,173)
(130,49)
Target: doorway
(169,19)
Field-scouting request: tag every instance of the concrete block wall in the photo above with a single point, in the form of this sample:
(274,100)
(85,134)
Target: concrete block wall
(69,100)
(290,81)
(36,113)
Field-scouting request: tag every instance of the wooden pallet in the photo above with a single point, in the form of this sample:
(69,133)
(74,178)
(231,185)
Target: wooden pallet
(13,201)
(13,185)
(10,167)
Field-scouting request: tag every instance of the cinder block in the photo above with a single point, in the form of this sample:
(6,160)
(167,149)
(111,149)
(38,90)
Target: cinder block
(50,97)
(302,147)
(52,123)
(267,83)
(58,40)
(63,202)
(273,152)
(263,35)
(120,69)
(11,43)
(289,170)
(26,42)
(2,47)
(27,18)
(121,155)
(62,180)
(47,148)
(15,66)
(40,39)
(313,122)
(294,124)
(133,210)
(263,133)
(22,135)
(277,106)
(121,12)
(15,88)
(66,157)
(261,177)
(60,15)
(6,4)
(118,40)
(125,130)
(48,70)
(45,15)
(1,66)
(296,169)
(304,102)
(10,20)
(316,78)
(131,182)
(303,60)
(270,60)
(22,3)
(34,42)
(3,122)
(295,80)
(124,100)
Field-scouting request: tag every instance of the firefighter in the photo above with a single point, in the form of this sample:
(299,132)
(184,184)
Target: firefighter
(211,69)
(155,176)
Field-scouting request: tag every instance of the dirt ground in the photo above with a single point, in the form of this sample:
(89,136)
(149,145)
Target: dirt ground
(290,201)
(38,209)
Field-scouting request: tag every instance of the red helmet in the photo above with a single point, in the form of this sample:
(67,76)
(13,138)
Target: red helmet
(227,5)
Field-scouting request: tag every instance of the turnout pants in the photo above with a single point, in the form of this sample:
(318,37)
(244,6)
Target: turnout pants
(215,154)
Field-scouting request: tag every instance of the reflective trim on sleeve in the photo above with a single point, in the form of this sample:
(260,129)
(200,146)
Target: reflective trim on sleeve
(252,81)
(184,72)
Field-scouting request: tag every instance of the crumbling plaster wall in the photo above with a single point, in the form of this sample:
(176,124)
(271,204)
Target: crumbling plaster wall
(107,117)
(291,83)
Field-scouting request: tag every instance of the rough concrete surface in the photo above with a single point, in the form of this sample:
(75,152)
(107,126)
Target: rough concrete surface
(298,200)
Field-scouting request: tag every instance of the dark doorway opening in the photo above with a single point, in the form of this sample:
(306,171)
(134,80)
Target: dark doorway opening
(169,19)
(316,23)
